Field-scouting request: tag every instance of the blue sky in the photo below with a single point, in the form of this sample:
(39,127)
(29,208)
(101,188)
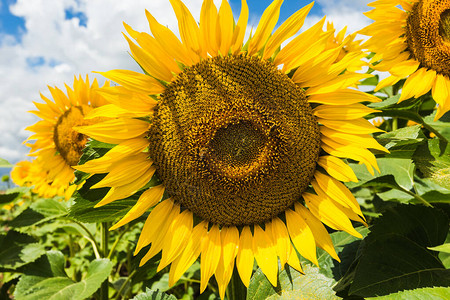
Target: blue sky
(47,42)
(15,26)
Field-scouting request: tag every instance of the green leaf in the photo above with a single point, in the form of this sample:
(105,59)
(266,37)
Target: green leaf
(18,249)
(83,210)
(154,295)
(395,256)
(402,169)
(442,248)
(292,285)
(5,164)
(394,262)
(346,246)
(433,160)
(442,125)
(403,136)
(9,197)
(49,208)
(434,293)
(46,279)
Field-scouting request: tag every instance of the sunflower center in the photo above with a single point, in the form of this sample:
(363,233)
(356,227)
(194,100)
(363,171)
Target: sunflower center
(428,34)
(444,25)
(68,142)
(234,140)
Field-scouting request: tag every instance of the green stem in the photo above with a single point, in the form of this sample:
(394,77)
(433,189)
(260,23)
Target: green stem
(90,238)
(116,242)
(123,286)
(394,123)
(236,290)
(104,248)
(431,129)
(417,197)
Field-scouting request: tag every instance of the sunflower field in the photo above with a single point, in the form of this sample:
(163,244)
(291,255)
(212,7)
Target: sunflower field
(281,163)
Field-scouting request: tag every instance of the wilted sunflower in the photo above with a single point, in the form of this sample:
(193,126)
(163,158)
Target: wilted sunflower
(237,133)
(58,147)
(412,40)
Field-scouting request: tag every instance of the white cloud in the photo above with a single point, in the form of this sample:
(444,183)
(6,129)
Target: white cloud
(343,13)
(59,48)
(67,49)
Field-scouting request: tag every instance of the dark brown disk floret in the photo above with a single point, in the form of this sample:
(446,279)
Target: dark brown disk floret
(234,140)
(428,34)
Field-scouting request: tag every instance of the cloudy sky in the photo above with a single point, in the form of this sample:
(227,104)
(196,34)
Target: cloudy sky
(47,42)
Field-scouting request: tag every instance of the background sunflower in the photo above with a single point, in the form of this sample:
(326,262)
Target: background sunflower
(57,146)
(410,38)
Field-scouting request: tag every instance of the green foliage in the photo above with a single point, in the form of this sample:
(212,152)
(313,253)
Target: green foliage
(395,256)
(292,285)
(434,293)
(433,160)
(18,249)
(47,278)
(154,295)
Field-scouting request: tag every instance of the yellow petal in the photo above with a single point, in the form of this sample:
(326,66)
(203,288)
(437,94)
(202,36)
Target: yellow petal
(104,164)
(239,30)
(150,64)
(286,30)
(337,168)
(350,151)
(301,236)
(245,258)
(278,233)
(344,112)
(126,100)
(188,27)
(326,211)
(359,126)
(230,243)
(115,131)
(321,236)
(268,21)
(155,220)
(293,260)
(391,80)
(210,257)
(176,239)
(160,236)
(418,84)
(135,81)
(148,199)
(168,40)
(124,191)
(341,81)
(441,94)
(189,254)
(208,21)
(125,172)
(336,191)
(362,140)
(265,254)
(225,27)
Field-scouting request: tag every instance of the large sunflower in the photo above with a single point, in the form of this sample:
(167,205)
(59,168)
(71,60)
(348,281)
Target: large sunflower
(246,139)
(58,147)
(412,38)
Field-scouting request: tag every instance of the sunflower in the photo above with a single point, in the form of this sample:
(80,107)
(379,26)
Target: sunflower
(411,38)
(58,147)
(33,174)
(246,138)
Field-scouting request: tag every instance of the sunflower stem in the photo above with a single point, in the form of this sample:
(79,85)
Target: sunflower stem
(123,286)
(104,249)
(394,123)
(417,197)
(89,237)
(236,289)
(116,242)
(431,129)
